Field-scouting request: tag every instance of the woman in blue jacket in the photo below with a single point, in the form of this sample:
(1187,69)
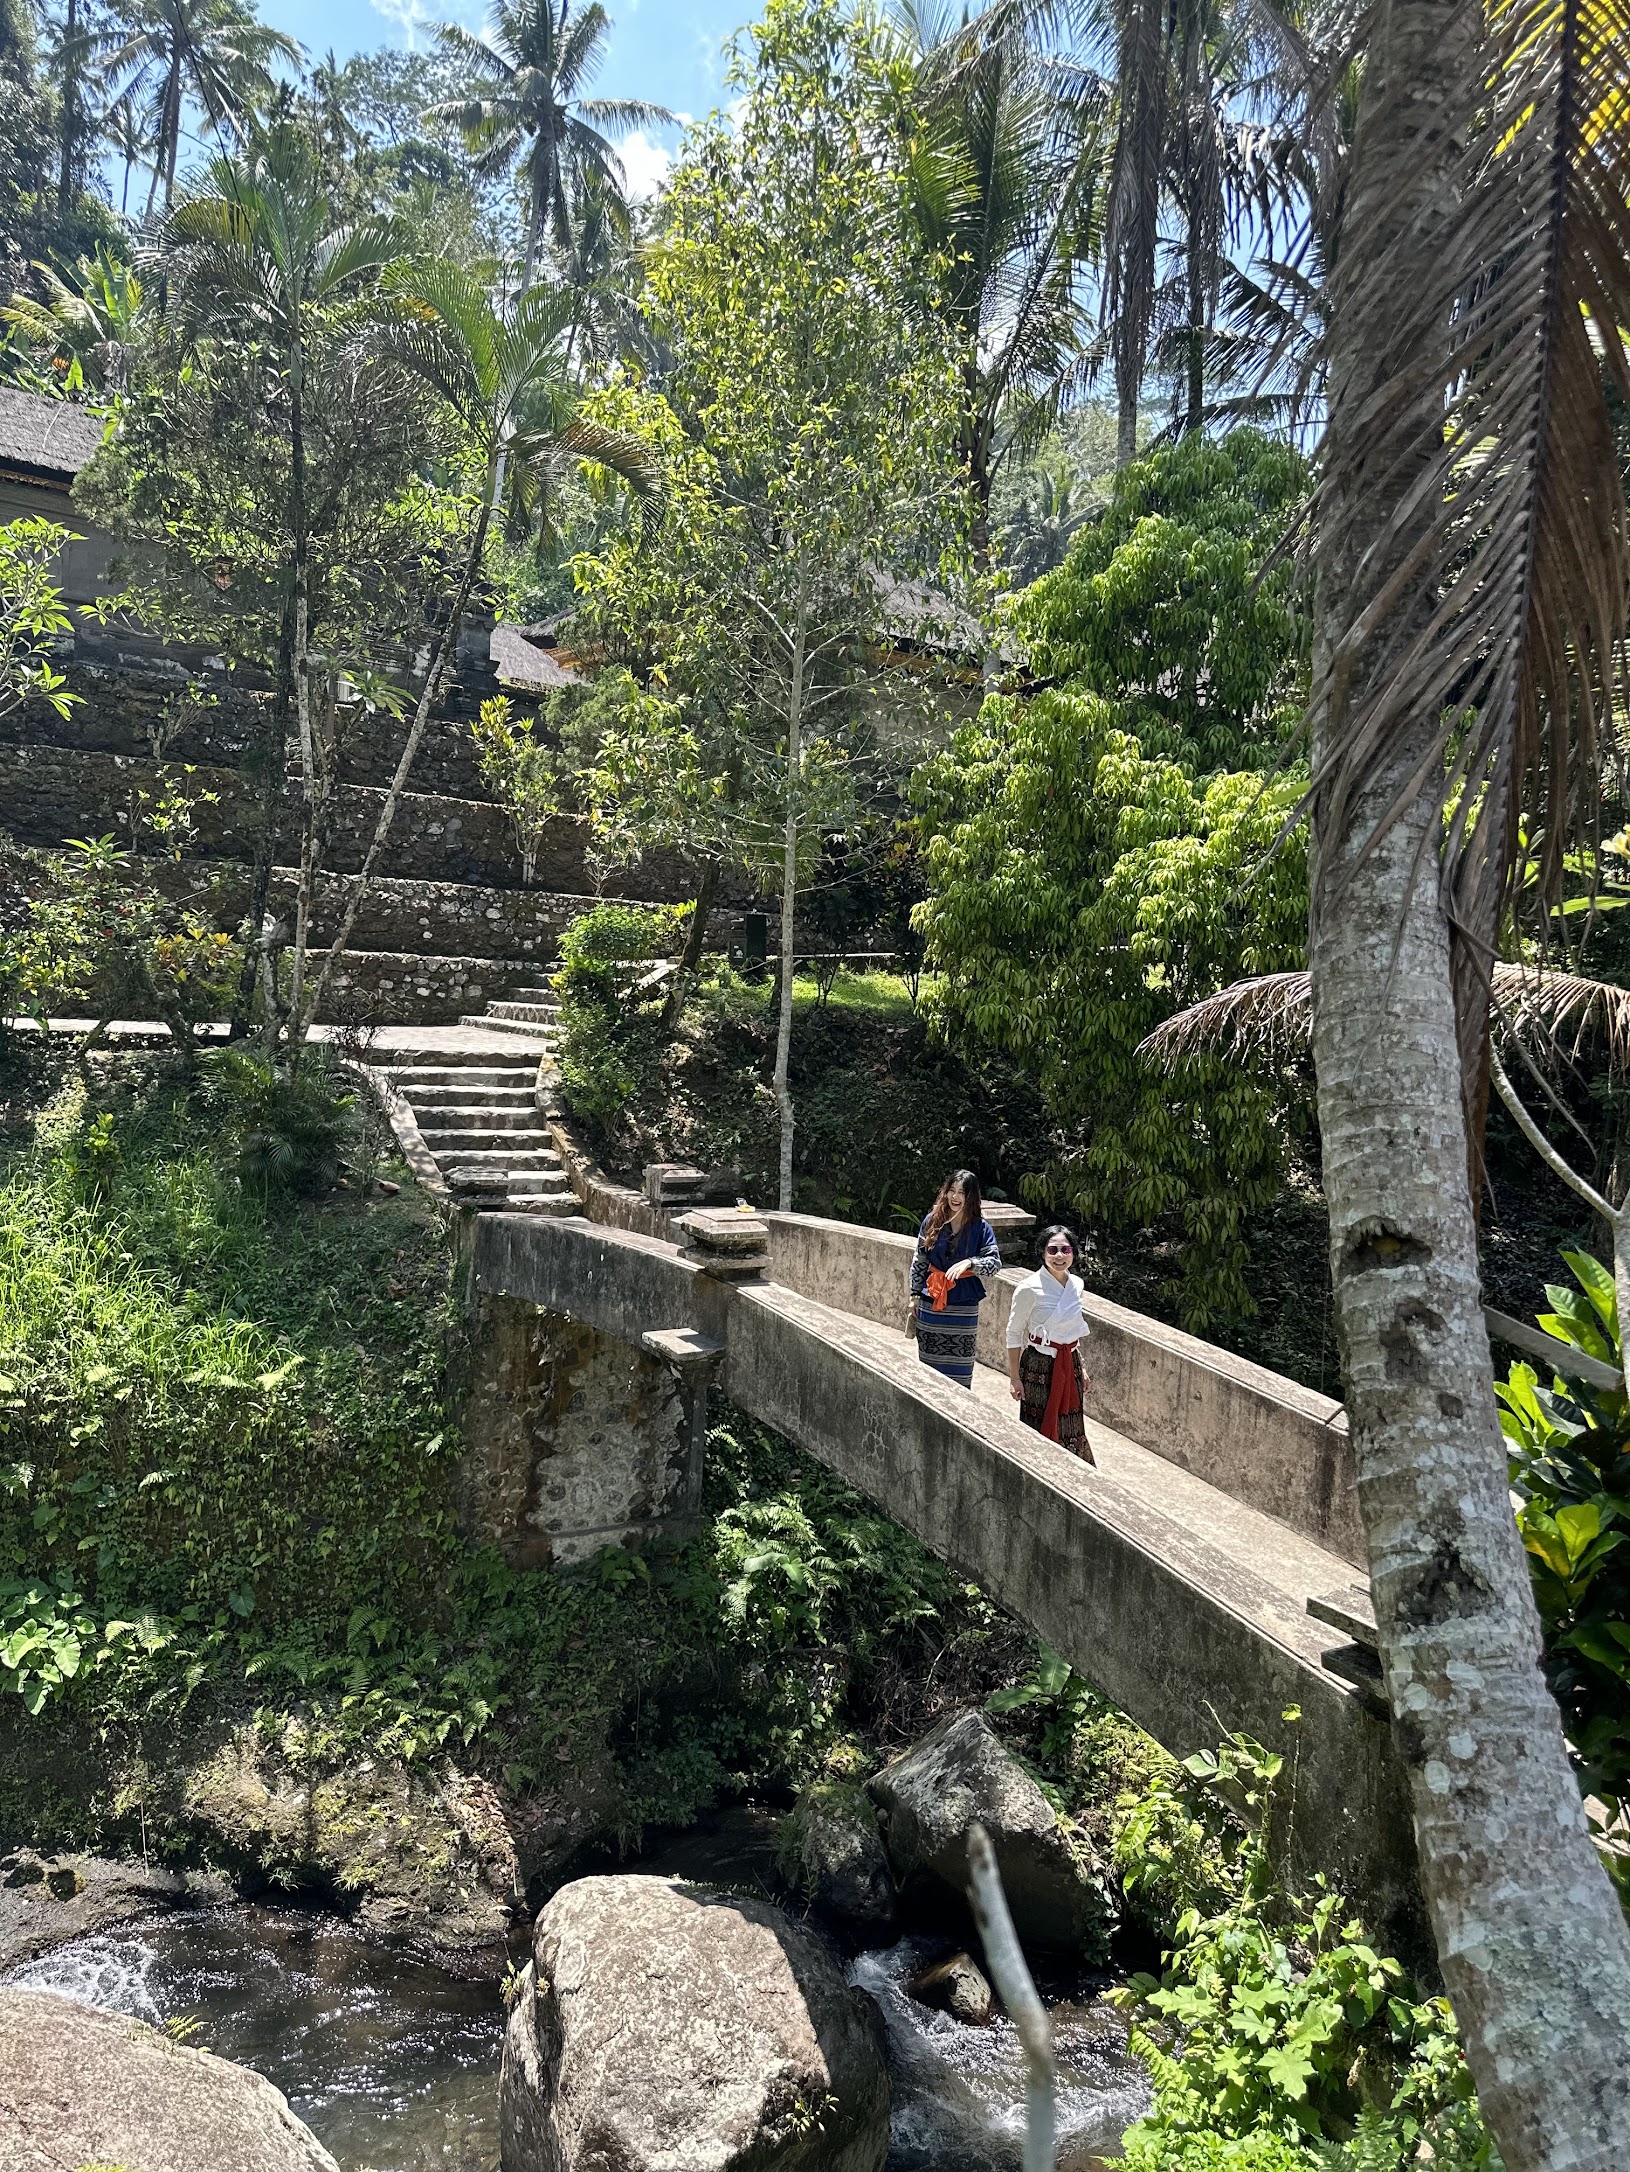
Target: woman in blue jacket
(956,1256)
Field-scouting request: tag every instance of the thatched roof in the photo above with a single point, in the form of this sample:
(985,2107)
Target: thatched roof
(46,440)
(522,663)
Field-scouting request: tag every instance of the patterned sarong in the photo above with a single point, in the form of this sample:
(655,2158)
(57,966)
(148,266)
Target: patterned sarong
(945,1340)
(1036,1386)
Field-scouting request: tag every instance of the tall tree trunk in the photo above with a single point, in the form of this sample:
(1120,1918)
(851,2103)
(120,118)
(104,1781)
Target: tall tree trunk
(789,898)
(1194,415)
(70,111)
(161,148)
(172,120)
(446,648)
(1127,388)
(696,934)
(1533,1947)
(301,662)
(272,751)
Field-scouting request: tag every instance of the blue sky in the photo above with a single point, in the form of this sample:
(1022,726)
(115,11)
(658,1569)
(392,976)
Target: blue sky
(666,50)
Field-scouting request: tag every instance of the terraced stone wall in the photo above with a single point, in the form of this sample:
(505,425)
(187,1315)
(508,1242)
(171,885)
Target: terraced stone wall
(448,926)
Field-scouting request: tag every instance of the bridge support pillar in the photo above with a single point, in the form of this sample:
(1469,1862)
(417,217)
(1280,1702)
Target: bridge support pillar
(574,1439)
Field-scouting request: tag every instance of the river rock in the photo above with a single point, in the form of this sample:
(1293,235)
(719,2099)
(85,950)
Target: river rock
(960,1772)
(956,1987)
(834,1854)
(663,2027)
(420,1856)
(78,2088)
(47,1899)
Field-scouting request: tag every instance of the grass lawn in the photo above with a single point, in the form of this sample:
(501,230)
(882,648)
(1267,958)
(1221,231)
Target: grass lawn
(882,995)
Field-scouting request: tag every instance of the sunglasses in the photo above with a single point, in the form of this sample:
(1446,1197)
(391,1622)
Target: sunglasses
(1067,1250)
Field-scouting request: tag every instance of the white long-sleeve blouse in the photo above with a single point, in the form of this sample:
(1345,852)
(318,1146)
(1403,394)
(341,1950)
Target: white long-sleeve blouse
(1046,1310)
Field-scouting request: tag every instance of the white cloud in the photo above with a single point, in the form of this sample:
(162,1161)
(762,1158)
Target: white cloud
(646,163)
(416,20)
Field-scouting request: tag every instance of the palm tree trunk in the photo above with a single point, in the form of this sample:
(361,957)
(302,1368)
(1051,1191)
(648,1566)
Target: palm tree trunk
(789,895)
(172,133)
(161,149)
(1534,1950)
(1195,275)
(70,110)
(446,648)
(1127,389)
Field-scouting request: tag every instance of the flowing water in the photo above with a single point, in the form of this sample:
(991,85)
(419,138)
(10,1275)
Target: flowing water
(393,2063)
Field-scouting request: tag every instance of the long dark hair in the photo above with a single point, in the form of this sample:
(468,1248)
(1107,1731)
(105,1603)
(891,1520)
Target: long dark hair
(973,1203)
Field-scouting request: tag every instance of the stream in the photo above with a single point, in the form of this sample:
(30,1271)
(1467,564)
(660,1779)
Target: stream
(393,2062)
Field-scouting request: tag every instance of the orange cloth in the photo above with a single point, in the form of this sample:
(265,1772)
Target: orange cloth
(939,1288)
(1064,1396)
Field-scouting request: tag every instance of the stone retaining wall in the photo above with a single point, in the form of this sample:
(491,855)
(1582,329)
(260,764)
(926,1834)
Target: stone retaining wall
(441,918)
(52,793)
(390,987)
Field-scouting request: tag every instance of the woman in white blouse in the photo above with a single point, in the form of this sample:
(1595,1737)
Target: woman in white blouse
(1045,1331)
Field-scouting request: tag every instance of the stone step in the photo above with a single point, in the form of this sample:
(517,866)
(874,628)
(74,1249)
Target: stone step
(517,1116)
(493,1055)
(477,1096)
(445,1141)
(537,1037)
(535,995)
(538,1014)
(543,1203)
(516,1077)
(495,1160)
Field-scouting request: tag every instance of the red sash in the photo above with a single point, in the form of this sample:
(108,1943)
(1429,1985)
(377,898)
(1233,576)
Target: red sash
(1064,1397)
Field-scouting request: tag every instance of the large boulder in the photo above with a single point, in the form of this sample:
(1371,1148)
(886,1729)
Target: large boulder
(833,1852)
(665,2028)
(79,2087)
(418,1855)
(959,1773)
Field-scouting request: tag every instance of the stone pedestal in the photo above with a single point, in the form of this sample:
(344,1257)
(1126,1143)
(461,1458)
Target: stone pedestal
(729,1243)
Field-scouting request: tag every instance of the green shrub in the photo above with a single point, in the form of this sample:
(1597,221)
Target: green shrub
(1274,2013)
(289,1130)
(611,1044)
(1261,2152)
(1570,1467)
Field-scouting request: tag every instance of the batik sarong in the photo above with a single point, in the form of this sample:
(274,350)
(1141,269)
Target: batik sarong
(1035,1393)
(945,1340)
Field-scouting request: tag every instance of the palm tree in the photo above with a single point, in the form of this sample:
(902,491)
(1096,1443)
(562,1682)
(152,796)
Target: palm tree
(213,52)
(1008,188)
(505,376)
(129,134)
(253,255)
(1472,584)
(532,67)
(1223,120)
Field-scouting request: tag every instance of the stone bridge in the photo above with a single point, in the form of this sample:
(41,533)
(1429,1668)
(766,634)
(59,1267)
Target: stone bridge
(1205,1574)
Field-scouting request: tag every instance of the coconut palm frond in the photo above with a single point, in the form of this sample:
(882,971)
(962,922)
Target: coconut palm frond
(1272,1014)
(1268,1011)
(1496,386)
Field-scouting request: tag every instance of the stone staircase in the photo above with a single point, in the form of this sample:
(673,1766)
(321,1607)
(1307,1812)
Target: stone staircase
(471,1093)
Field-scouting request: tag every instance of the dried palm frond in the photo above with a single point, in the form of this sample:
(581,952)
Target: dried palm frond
(1496,386)
(1272,1014)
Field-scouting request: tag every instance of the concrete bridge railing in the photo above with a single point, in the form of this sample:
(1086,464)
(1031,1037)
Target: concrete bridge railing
(1259,1438)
